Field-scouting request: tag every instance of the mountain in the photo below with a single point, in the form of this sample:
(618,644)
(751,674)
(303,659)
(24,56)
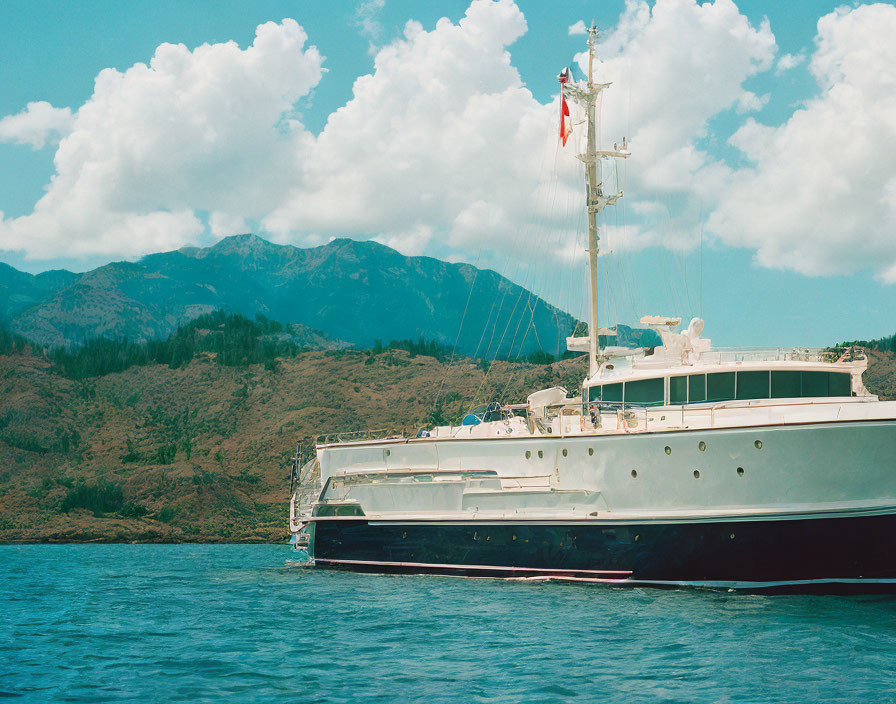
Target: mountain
(354,291)
(19,291)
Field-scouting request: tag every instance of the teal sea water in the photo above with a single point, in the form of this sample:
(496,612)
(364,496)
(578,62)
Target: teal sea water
(198,623)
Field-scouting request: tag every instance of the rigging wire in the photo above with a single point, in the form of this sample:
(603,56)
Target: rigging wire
(459,329)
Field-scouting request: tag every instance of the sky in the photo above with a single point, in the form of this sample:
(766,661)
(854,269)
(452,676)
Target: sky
(760,194)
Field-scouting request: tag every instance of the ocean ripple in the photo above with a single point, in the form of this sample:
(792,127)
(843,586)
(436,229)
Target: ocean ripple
(88,623)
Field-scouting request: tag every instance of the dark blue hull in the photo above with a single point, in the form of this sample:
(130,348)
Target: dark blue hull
(847,553)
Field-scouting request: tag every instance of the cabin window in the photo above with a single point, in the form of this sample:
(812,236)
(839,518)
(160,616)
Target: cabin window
(841,384)
(815,384)
(678,390)
(696,388)
(612,393)
(785,384)
(725,386)
(810,384)
(644,392)
(752,385)
(720,387)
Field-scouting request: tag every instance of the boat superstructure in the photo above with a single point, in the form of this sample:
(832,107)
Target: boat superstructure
(679,464)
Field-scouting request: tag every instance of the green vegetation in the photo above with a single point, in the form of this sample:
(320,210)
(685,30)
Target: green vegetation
(13,344)
(103,497)
(132,510)
(235,341)
(421,347)
(884,344)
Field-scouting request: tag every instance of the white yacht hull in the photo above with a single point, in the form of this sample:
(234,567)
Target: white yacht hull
(760,507)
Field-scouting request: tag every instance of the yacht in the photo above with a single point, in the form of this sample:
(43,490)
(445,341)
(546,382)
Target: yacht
(676,465)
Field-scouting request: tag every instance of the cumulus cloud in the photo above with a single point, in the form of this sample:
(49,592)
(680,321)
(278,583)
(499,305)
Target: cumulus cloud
(209,130)
(37,125)
(442,139)
(578,28)
(441,149)
(819,196)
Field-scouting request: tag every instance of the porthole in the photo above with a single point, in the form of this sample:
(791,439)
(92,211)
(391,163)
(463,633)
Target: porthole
(696,474)
(668,450)
(540,453)
(758,444)
(564,452)
(387,452)
(740,471)
(701,446)
(528,454)
(634,473)
(590,451)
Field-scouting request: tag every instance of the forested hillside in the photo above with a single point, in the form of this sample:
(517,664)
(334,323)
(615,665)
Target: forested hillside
(191,440)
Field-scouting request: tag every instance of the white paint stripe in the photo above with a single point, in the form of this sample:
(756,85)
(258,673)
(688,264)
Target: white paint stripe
(769,584)
(609,519)
(434,565)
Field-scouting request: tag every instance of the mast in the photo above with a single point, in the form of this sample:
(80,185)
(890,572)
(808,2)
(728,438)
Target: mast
(595,199)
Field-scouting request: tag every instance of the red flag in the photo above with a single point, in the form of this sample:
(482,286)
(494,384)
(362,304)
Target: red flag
(565,128)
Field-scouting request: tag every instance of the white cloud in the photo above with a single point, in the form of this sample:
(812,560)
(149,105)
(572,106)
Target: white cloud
(368,22)
(750,102)
(367,17)
(205,130)
(224,224)
(578,28)
(789,61)
(442,149)
(37,125)
(819,198)
(444,141)
(675,66)
(441,141)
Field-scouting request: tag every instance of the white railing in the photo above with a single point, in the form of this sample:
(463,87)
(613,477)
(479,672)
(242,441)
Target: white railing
(782,354)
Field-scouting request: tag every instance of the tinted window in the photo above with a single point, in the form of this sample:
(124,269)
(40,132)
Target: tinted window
(786,384)
(815,384)
(612,392)
(841,384)
(720,387)
(678,389)
(696,388)
(752,385)
(644,392)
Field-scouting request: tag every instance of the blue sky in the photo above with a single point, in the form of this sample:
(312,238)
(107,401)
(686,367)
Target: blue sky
(53,52)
